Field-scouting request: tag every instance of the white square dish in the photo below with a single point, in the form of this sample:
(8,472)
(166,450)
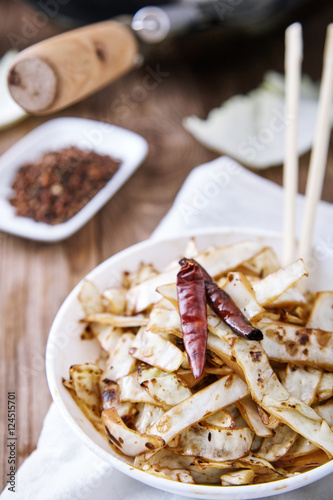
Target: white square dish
(121,144)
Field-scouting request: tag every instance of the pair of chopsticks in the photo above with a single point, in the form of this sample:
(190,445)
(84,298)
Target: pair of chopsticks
(318,159)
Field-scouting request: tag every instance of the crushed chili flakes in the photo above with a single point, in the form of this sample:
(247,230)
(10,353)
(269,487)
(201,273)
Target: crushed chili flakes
(59,184)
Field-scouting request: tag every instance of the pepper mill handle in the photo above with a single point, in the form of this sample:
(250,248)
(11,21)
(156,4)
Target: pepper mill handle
(62,70)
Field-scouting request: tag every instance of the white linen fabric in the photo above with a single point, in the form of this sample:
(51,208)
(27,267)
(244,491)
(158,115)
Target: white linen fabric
(219,193)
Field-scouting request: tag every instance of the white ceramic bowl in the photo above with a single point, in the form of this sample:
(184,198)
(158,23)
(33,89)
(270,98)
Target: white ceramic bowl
(56,134)
(65,348)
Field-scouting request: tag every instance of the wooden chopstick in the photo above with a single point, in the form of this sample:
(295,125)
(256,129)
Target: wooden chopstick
(293,71)
(319,152)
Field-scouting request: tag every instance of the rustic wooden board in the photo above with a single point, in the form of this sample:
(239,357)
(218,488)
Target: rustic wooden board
(35,278)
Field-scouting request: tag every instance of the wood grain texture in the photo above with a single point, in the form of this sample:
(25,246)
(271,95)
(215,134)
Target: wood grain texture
(181,79)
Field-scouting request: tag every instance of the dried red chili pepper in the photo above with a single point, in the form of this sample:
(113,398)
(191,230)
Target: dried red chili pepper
(223,305)
(193,314)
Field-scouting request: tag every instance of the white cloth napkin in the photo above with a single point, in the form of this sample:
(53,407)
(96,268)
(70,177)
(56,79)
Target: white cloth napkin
(223,193)
(220,193)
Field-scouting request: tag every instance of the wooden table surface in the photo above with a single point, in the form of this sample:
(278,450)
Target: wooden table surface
(199,74)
